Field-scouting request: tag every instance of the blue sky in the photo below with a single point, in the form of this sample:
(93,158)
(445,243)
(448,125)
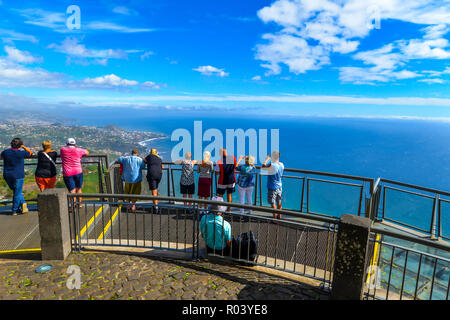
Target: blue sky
(298,57)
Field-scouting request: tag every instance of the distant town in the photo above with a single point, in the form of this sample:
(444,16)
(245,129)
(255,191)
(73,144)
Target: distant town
(110,140)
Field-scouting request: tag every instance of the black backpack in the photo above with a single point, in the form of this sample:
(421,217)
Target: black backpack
(249,245)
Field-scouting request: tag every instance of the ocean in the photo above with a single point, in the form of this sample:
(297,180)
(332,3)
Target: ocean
(410,151)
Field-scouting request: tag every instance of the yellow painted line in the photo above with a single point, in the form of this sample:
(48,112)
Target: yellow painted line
(21,251)
(109,223)
(374,260)
(90,221)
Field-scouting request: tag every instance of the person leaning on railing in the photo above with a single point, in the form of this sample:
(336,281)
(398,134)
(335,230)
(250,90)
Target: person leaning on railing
(246,180)
(225,167)
(205,169)
(274,171)
(71,163)
(45,174)
(132,175)
(154,173)
(187,179)
(215,231)
(14,173)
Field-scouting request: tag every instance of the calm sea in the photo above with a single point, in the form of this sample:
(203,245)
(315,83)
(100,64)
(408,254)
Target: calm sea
(411,151)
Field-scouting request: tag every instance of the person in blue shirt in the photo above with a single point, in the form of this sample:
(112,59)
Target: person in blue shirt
(132,175)
(246,180)
(14,173)
(274,170)
(215,231)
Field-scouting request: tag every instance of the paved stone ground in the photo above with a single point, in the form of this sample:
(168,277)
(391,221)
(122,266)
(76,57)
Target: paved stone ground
(121,276)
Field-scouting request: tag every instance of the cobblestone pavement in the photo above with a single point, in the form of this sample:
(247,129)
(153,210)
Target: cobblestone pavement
(121,276)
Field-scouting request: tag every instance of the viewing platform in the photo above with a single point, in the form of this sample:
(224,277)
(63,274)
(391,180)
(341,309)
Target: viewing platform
(401,261)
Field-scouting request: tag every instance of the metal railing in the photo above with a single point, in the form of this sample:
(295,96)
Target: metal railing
(422,209)
(405,267)
(304,191)
(100,161)
(300,244)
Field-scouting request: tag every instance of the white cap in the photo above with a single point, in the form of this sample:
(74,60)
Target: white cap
(71,141)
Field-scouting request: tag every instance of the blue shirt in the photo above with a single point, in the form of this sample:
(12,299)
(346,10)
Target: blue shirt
(216,231)
(13,163)
(132,168)
(275,173)
(246,176)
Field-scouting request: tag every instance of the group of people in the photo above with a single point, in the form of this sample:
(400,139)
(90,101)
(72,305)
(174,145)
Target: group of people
(131,172)
(226,168)
(46,170)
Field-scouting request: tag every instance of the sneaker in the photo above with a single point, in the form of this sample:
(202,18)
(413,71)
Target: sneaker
(24,208)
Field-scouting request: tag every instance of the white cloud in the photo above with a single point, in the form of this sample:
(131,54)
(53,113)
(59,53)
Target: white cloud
(210,71)
(16,36)
(106,82)
(13,74)
(124,10)
(109,26)
(433,80)
(256,78)
(312,30)
(146,54)
(73,48)
(43,18)
(57,22)
(17,55)
(293,51)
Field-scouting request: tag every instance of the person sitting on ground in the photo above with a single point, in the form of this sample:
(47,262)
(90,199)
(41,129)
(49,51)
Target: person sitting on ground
(154,173)
(45,174)
(215,231)
(246,180)
(225,168)
(14,173)
(132,174)
(274,171)
(187,180)
(71,164)
(205,169)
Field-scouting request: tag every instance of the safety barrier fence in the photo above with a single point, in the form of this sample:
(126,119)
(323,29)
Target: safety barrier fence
(304,191)
(300,244)
(101,180)
(402,266)
(422,209)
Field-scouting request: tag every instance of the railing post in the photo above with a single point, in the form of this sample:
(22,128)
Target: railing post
(350,257)
(54,225)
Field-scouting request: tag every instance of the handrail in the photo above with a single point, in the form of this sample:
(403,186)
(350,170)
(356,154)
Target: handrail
(408,185)
(415,239)
(295,214)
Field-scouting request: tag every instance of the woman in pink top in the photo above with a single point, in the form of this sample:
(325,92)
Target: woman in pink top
(71,165)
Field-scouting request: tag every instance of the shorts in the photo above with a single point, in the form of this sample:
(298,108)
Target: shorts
(190,189)
(204,187)
(74,182)
(153,183)
(133,188)
(229,188)
(274,196)
(45,183)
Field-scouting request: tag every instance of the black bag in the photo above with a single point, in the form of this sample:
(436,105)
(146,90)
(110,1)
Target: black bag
(248,244)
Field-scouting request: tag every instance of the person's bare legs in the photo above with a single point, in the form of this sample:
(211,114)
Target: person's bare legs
(229,199)
(280,207)
(78,190)
(155,193)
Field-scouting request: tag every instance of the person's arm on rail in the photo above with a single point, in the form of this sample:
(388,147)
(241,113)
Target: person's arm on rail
(27,150)
(265,165)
